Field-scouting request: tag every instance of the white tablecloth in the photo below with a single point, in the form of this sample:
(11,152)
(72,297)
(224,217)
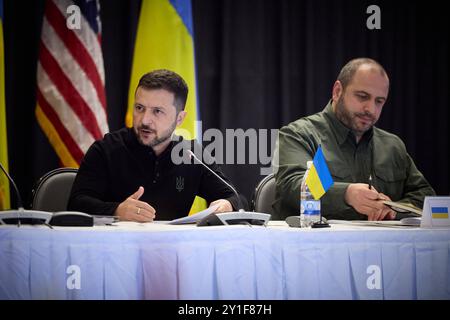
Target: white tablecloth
(158,261)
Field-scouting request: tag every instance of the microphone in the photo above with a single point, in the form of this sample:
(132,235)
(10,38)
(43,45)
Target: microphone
(19,198)
(228,218)
(241,207)
(21,215)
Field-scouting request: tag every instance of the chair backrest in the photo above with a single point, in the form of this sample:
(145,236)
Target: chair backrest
(264,195)
(52,191)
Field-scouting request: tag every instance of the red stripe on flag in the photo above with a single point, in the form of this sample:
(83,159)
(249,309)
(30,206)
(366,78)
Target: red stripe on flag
(71,145)
(69,92)
(76,48)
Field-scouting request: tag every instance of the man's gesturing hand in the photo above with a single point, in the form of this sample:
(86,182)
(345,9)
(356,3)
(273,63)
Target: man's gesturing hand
(134,210)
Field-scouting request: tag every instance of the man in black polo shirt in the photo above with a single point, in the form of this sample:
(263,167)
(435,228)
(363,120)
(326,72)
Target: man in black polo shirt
(131,172)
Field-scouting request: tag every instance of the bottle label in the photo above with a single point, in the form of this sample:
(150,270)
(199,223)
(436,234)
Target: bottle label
(310,207)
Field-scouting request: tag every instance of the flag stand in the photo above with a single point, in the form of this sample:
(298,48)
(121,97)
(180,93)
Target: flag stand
(320,223)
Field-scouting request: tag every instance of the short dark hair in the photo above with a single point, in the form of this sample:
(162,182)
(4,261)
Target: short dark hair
(167,80)
(348,71)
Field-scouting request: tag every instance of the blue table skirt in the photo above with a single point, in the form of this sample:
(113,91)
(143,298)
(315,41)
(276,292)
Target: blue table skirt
(234,262)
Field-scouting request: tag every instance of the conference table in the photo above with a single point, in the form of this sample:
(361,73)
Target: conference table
(160,261)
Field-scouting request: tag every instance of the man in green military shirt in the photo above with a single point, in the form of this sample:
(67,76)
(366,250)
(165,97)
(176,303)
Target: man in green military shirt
(357,152)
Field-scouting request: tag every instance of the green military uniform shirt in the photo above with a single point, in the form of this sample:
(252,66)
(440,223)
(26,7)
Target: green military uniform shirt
(379,154)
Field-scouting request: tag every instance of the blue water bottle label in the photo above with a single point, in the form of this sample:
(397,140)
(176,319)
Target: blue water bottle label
(311,207)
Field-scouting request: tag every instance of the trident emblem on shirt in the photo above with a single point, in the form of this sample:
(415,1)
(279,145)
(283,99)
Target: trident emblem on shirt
(180,184)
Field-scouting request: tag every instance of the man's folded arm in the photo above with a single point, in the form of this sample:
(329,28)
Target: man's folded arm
(294,152)
(334,205)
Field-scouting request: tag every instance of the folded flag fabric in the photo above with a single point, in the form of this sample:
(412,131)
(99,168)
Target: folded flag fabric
(319,179)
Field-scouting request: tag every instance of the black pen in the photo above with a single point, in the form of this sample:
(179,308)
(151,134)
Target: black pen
(370,181)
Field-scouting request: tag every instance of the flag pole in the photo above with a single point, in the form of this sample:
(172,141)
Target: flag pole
(320,223)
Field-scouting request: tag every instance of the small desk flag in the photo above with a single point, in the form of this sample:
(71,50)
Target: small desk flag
(319,179)
(439,212)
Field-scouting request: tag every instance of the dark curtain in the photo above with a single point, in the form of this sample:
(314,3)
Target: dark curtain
(260,65)
(263,64)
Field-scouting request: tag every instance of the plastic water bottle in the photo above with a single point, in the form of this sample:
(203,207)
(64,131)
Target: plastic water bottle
(309,207)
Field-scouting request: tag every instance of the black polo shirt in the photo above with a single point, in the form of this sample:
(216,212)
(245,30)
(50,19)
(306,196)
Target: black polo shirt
(115,167)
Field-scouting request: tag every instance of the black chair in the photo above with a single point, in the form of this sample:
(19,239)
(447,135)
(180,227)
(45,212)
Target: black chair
(51,192)
(264,195)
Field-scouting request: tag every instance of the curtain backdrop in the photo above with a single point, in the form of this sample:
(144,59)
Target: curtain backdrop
(260,64)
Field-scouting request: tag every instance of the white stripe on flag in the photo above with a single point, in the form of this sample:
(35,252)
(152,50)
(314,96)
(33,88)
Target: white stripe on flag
(87,36)
(69,119)
(75,74)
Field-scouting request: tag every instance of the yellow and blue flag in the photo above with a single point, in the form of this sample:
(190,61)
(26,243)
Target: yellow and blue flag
(439,212)
(319,179)
(165,40)
(4,183)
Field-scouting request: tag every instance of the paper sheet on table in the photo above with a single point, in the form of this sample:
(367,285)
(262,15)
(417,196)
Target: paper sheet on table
(405,222)
(101,220)
(195,217)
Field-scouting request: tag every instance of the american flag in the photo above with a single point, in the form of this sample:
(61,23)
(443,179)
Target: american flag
(71,102)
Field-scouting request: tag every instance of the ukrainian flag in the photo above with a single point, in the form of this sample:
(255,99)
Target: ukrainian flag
(319,179)
(4,183)
(165,40)
(439,212)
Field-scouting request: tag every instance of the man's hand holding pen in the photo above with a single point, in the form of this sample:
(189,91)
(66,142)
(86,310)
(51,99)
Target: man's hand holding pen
(367,200)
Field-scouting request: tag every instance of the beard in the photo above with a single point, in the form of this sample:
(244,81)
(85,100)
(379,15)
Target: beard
(351,119)
(158,139)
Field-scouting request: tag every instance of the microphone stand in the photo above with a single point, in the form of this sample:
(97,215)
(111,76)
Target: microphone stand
(241,206)
(241,216)
(320,223)
(28,216)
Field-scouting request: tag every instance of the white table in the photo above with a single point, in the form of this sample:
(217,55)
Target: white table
(159,261)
